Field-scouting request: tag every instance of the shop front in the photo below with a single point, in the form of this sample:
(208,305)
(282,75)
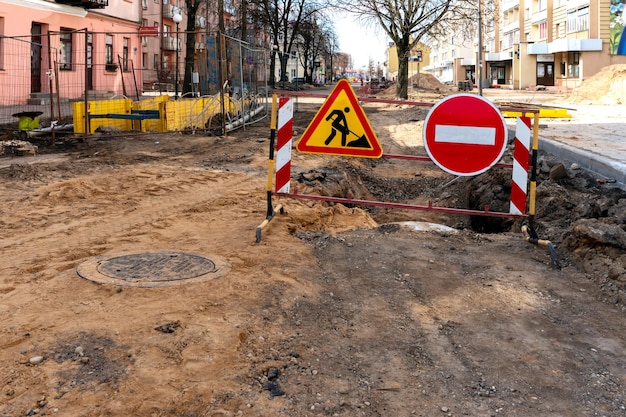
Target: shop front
(545,70)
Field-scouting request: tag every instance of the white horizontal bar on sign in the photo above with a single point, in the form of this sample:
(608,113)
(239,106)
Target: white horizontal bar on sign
(469,135)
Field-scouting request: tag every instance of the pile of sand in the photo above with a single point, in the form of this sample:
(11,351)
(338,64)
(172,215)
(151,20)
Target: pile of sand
(428,81)
(606,87)
(424,83)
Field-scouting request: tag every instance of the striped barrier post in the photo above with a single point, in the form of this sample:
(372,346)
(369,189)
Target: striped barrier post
(281,132)
(283,145)
(521,154)
(521,151)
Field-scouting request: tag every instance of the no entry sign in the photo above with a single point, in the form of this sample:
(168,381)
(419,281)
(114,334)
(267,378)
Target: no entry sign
(465,134)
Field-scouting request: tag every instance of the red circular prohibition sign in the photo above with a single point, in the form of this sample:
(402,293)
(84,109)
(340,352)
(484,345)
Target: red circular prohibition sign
(465,134)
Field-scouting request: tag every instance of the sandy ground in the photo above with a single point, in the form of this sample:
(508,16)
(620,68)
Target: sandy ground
(338,311)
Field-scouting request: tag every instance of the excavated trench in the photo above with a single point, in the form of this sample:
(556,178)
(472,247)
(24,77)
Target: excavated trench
(364,180)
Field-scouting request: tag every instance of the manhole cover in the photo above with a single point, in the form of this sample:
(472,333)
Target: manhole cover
(153,269)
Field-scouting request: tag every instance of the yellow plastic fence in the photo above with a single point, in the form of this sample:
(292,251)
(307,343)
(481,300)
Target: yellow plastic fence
(121,106)
(179,114)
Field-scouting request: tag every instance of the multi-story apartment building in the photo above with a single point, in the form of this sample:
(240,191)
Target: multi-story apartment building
(552,43)
(419,60)
(85,39)
(89,41)
(453,59)
(161,22)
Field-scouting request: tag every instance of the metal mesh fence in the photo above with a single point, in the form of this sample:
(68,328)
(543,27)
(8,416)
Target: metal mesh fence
(46,76)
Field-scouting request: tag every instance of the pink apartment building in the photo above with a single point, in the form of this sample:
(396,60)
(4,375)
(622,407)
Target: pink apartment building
(65,47)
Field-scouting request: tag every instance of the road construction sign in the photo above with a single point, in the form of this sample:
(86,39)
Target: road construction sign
(340,127)
(465,134)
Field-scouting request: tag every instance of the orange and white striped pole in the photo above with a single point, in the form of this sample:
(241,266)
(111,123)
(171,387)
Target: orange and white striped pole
(521,152)
(281,117)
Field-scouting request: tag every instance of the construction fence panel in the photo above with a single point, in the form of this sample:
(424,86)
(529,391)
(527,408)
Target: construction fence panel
(67,79)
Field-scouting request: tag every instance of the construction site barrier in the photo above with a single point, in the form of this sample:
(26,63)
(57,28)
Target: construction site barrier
(523,190)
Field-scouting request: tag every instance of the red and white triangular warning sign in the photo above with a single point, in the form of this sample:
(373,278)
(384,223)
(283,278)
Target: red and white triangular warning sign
(340,127)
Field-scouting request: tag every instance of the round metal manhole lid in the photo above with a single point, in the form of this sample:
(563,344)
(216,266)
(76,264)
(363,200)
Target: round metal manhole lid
(153,269)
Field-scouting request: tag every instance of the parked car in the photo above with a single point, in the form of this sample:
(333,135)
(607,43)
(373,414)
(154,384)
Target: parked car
(298,80)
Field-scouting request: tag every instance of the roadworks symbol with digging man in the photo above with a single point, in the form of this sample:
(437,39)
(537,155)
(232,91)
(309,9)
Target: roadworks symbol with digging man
(340,124)
(340,127)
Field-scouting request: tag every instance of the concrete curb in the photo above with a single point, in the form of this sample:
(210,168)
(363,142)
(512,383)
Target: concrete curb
(596,164)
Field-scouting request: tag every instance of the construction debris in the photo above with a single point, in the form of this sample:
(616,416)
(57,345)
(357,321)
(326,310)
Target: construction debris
(17,148)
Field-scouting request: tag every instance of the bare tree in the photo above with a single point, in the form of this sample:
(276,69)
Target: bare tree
(408,22)
(282,19)
(190,42)
(312,43)
(332,44)
(341,61)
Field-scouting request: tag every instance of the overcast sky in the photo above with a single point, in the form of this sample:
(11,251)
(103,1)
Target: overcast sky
(363,43)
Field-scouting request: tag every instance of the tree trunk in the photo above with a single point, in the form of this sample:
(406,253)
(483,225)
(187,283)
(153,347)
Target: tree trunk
(190,51)
(272,80)
(244,20)
(190,45)
(403,70)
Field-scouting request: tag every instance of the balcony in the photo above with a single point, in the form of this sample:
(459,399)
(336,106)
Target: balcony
(507,5)
(565,45)
(86,4)
(539,17)
(169,10)
(499,56)
(170,43)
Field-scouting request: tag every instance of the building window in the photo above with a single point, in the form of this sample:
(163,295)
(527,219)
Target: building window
(509,39)
(229,7)
(108,53)
(66,49)
(578,20)
(144,60)
(543,31)
(542,5)
(573,58)
(155,61)
(125,54)
(167,29)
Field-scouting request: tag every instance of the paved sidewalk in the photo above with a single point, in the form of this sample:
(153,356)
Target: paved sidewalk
(594,137)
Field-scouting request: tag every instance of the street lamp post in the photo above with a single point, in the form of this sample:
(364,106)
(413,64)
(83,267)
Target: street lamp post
(177,18)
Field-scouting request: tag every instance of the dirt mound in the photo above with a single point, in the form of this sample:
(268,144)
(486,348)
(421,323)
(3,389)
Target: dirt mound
(606,87)
(428,82)
(426,86)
